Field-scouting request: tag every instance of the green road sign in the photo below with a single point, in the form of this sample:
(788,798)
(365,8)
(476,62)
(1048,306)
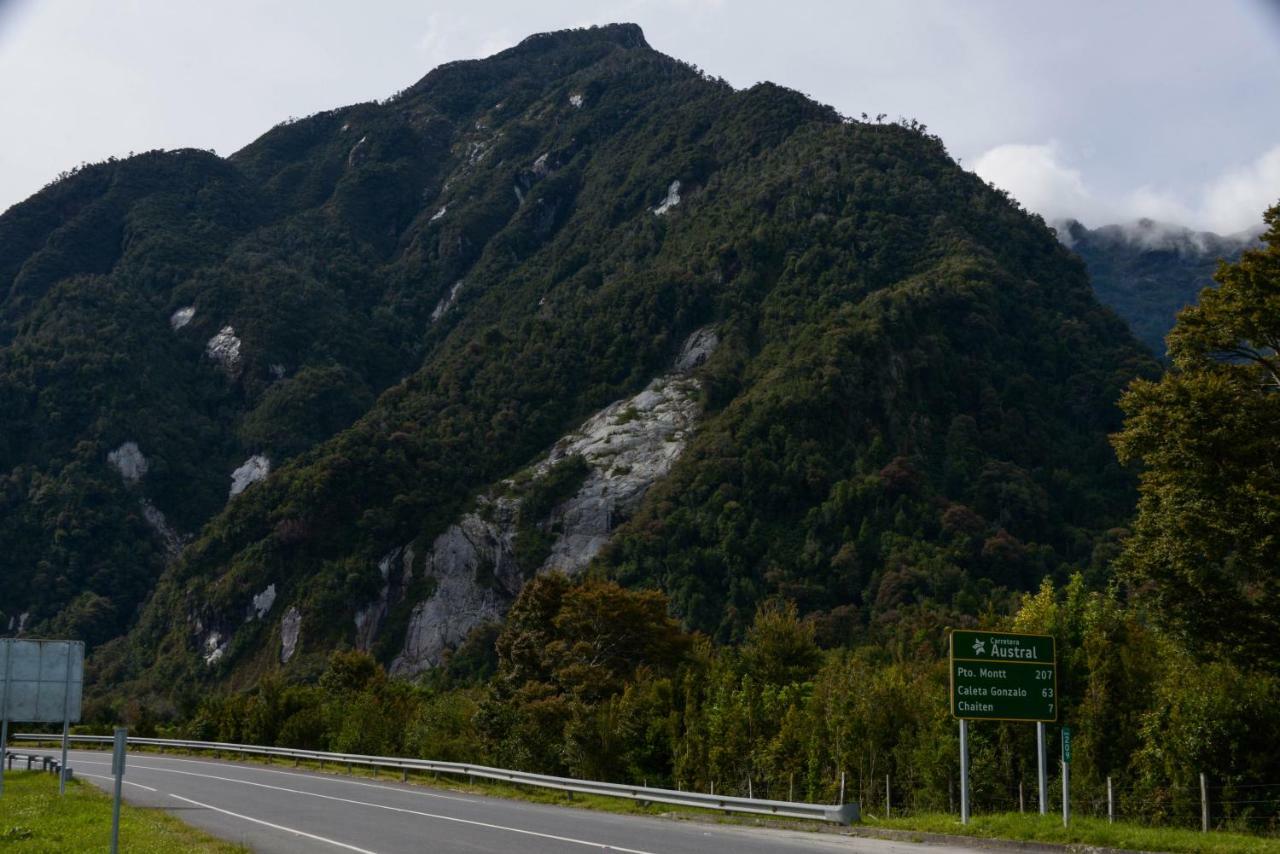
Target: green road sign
(1003,676)
(1066,744)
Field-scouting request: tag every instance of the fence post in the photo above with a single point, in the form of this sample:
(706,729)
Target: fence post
(887,803)
(1111,802)
(842,788)
(1204,804)
(1022,805)
(791,787)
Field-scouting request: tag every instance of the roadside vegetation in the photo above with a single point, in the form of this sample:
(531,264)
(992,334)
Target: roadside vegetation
(35,820)
(1093,832)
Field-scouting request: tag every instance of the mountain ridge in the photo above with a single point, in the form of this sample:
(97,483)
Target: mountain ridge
(905,415)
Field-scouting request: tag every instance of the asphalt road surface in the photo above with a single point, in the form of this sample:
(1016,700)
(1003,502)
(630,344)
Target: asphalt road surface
(283,811)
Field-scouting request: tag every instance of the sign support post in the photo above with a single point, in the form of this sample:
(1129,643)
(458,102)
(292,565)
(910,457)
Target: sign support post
(1042,774)
(4,710)
(117,770)
(964,771)
(66,725)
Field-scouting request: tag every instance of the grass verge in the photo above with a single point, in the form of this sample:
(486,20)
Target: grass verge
(35,820)
(1083,831)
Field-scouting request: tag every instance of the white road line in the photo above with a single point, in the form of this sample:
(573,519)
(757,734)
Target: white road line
(250,766)
(101,777)
(295,832)
(597,845)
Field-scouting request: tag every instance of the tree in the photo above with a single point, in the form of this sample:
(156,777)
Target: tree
(1206,543)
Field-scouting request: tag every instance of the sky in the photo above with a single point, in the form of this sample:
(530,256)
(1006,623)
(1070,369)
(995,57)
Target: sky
(1102,110)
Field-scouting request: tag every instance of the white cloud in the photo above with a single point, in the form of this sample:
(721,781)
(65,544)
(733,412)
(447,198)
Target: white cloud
(1042,179)
(1236,200)
(1036,177)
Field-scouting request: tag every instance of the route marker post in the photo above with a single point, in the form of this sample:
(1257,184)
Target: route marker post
(1002,676)
(118,750)
(1066,776)
(964,770)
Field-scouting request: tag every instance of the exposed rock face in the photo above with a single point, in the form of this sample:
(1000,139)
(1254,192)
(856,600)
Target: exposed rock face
(253,470)
(628,446)
(289,628)
(173,541)
(262,603)
(129,461)
(214,648)
(576,99)
(182,317)
(224,348)
(446,303)
(672,199)
(369,618)
(474,567)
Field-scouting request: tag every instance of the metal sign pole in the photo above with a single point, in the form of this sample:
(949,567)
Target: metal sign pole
(66,726)
(964,771)
(4,710)
(117,770)
(1041,773)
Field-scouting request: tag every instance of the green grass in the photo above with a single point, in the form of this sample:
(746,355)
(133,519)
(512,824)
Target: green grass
(1083,831)
(33,818)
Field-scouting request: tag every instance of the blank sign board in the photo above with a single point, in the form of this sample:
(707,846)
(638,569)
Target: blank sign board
(41,680)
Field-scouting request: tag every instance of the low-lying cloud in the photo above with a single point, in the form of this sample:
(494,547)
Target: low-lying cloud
(1041,177)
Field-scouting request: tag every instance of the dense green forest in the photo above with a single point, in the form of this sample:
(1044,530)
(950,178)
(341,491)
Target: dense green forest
(1148,271)
(256,407)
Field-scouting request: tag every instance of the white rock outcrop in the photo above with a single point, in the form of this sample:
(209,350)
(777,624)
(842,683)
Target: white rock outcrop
(182,317)
(214,648)
(440,213)
(576,99)
(129,461)
(224,348)
(254,469)
(369,618)
(672,199)
(627,446)
(172,540)
(262,603)
(447,302)
(290,626)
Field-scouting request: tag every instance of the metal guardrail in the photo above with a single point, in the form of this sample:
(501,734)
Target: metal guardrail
(839,814)
(47,763)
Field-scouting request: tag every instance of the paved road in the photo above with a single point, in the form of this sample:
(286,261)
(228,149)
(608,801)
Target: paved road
(277,811)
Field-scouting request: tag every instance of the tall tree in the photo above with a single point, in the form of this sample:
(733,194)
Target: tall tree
(1207,539)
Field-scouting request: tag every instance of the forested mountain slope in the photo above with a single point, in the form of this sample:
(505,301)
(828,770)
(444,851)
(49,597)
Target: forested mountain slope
(573,305)
(1149,271)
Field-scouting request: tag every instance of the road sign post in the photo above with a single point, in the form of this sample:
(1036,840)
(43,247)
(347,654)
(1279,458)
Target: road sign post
(1002,676)
(1042,774)
(4,709)
(119,748)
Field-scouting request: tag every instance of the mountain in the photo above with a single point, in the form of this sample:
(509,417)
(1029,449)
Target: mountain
(1148,271)
(578,306)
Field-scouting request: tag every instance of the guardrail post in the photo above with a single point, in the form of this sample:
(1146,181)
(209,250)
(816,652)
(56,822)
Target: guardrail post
(1111,803)
(887,803)
(404,775)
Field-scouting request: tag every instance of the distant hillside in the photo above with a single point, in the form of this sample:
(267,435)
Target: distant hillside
(1149,271)
(575,306)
